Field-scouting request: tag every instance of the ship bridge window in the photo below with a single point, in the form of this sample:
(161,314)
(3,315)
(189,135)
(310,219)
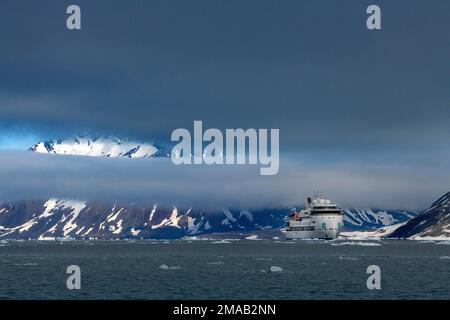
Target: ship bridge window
(308,228)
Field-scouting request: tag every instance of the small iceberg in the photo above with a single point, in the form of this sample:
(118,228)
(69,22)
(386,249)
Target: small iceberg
(263,258)
(357,243)
(65,239)
(347,258)
(446,242)
(276,269)
(166,267)
(252,237)
(27,264)
(444,258)
(194,238)
(426,241)
(221,241)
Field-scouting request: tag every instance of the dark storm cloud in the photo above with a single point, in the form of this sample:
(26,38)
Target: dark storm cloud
(27,175)
(310,68)
(363,113)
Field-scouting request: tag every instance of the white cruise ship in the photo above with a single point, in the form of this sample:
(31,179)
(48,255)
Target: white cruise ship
(321,219)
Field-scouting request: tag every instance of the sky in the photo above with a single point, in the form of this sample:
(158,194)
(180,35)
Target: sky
(360,103)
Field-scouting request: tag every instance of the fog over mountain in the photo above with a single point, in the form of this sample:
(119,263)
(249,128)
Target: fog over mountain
(29,175)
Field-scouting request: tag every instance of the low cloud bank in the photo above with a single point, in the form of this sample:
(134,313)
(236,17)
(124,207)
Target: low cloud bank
(26,175)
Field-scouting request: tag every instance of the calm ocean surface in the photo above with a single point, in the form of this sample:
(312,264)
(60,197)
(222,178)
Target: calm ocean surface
(233,270)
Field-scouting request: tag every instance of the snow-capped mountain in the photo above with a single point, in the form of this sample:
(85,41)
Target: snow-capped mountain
(55,218)
(433,223)
(361,219)
(98,147)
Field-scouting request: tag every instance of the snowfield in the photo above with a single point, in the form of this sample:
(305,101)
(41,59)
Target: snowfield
(97,147)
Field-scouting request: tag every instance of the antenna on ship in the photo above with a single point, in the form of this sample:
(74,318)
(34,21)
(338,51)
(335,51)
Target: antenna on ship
(308,202)
(317,195)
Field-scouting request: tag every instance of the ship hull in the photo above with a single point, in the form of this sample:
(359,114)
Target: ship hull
(317,227)
(311,235)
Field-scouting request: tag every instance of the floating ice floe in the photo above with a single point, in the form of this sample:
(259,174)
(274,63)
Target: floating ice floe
(263,259)
(348,258)
(194,238)
(444,258)
(252,237)
(446,242)
(27,264)
(357,243)
(221,241)
(166,267)
(276,269)
(309,240)
(64,239)
(215,262)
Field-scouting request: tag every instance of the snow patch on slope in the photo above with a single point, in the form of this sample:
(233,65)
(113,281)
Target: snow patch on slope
(375,234)
(76,207)
(51,206)
(97,147)
(172,221)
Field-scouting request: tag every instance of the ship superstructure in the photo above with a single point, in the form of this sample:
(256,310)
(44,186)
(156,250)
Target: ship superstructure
(321,219)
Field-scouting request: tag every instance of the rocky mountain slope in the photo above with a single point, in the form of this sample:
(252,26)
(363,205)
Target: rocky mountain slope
(433,223)
(55,218)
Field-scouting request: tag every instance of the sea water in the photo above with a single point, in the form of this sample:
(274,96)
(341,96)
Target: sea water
(242,269)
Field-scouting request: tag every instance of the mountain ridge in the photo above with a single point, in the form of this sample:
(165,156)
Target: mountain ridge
(52,218)
(56,218)
(431,224)
(101,146)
